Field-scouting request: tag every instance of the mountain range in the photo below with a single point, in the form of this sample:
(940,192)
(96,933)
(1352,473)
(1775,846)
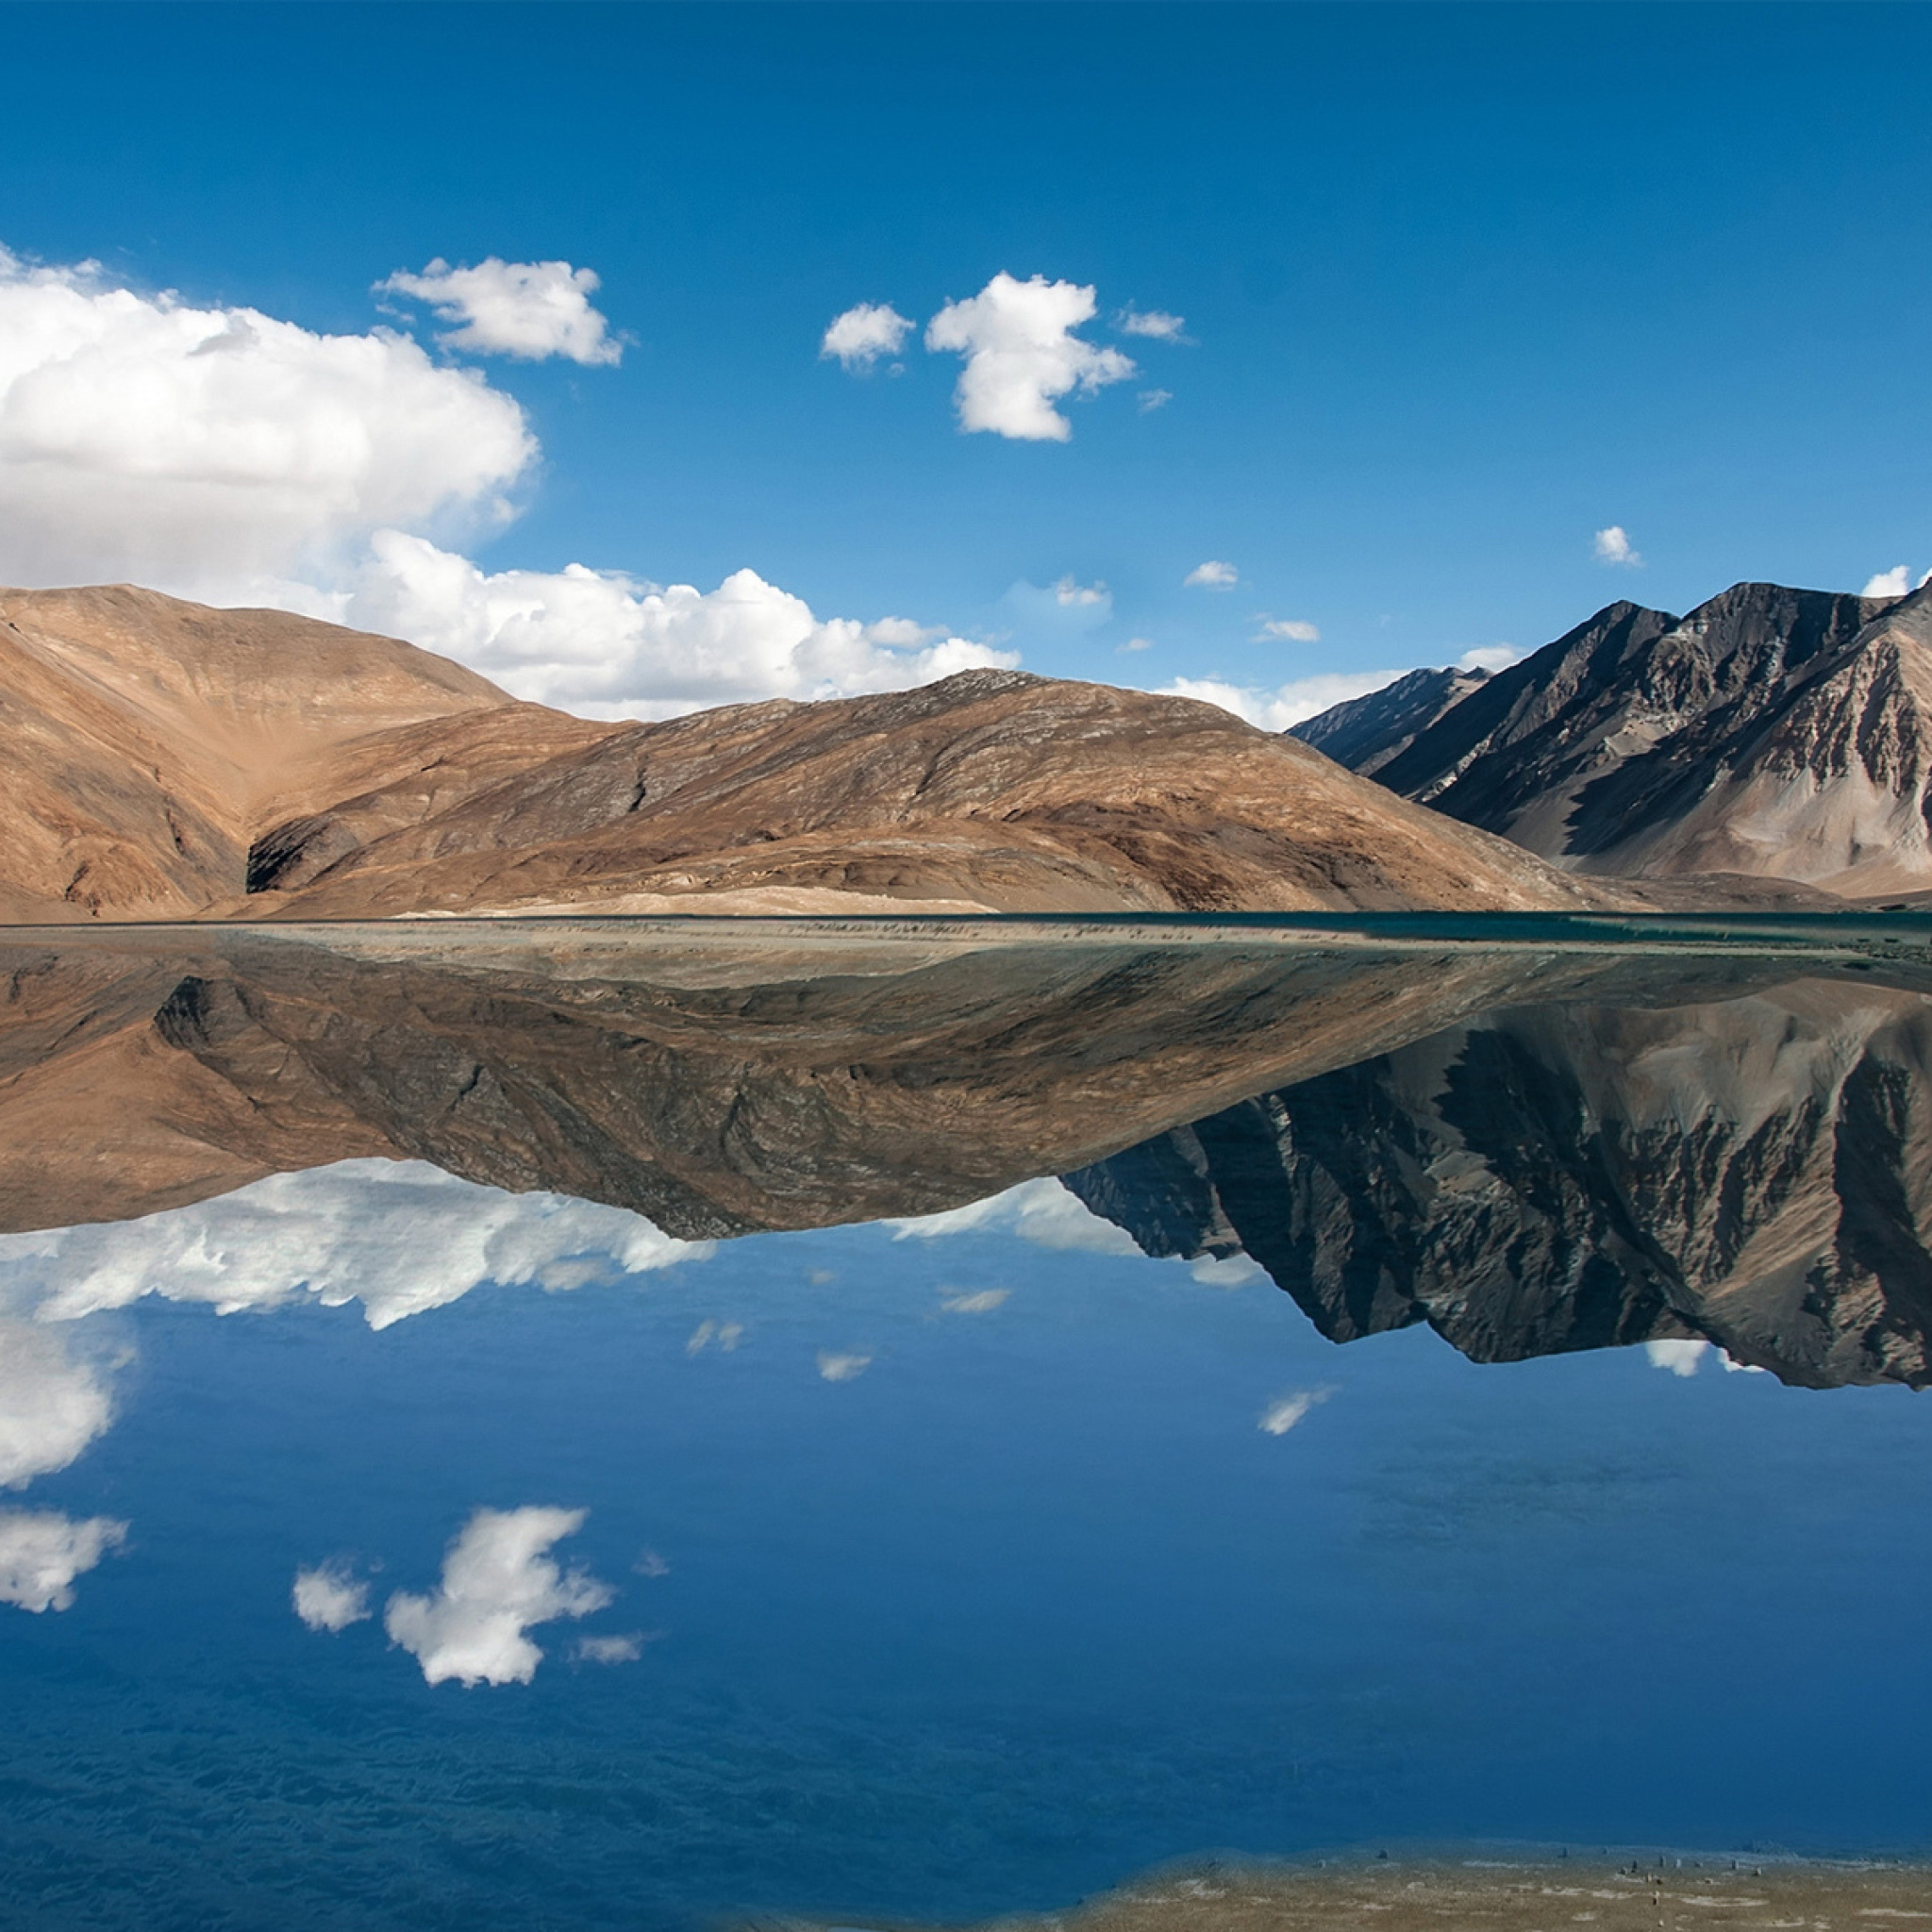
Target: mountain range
(1769,732)
(170,760)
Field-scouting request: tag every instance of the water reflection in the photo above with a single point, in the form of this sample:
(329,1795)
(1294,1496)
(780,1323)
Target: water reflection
(944,1554)
(1755,1175)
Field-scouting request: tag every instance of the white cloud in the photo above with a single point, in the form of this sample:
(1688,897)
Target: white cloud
(1154,324)
(864,333)
(399,1236)
(1152,399)
(201,449)
(604,644)
(1137,644)
(41,1552)
(1288,704)
(1894,582)
(1681,1357)
(650,1563)
(1489,658)
(1213,575)
(842,1368)
(218,453)
(1613,545)
(1293,630)
(1045,1211)
(979,1301)
(1082,596)
(622,1649)
(329,1598)
(498,1582)
(1286,1411)
(727,1334)
(1021,355)
(51,1406)
(525,309)
(1225,1271)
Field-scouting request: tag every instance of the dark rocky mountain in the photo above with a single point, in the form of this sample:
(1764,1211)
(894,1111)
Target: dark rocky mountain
(1770,732)
(1365,733)
(1757,1174)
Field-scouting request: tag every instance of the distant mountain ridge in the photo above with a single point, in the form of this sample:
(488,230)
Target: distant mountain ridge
(1772,732)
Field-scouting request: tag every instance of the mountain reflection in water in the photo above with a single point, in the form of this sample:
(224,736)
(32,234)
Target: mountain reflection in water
(1579,1137)
(969,1560)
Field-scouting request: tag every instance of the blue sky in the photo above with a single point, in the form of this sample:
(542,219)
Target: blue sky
(1462,286)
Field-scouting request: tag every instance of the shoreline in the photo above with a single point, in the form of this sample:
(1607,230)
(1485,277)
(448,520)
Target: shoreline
(1434,1890)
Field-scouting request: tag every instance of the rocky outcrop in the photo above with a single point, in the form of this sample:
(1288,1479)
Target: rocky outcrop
(1770,732)
(1758,1173)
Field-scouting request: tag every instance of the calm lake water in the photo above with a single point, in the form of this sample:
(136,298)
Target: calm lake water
(390,1549)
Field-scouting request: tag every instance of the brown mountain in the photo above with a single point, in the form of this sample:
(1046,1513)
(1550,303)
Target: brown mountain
(172,760)
(1770,732)
(721,1083)
(149,741)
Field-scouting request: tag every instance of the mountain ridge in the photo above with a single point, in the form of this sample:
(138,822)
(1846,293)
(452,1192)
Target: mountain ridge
(174,760)
(1770,732)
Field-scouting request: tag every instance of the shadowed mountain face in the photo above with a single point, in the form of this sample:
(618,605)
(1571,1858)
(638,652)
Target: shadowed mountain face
(1755,1173)
(1366,733)
(170,761)
(1770,732)
(1534,1146)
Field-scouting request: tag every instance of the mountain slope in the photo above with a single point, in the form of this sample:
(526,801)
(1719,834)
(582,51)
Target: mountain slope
(991,788)
(1366,733)
(148,739)
(1770,732)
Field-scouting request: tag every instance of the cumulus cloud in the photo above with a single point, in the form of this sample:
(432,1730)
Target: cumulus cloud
(1212,576)
(1045,1211)
(1613,545)
(1137,644)
(1287,1412)
(1154,324)
(607,646)
(1022,356)
(498,1583)
(399,1236)
(51,1406)
(1291,630)
(842,1368)
(1288,704)
(981,1301)
(525,309)
(1680,1357)
(144,437)
(1152,399)
(329,1597)
(218,453)
(1895,582)
(863,334)
(41,1552)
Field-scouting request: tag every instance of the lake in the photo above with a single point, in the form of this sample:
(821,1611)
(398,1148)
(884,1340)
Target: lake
(649,1424)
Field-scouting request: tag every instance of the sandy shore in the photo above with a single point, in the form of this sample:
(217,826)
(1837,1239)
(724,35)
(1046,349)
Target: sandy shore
(1608,1894)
